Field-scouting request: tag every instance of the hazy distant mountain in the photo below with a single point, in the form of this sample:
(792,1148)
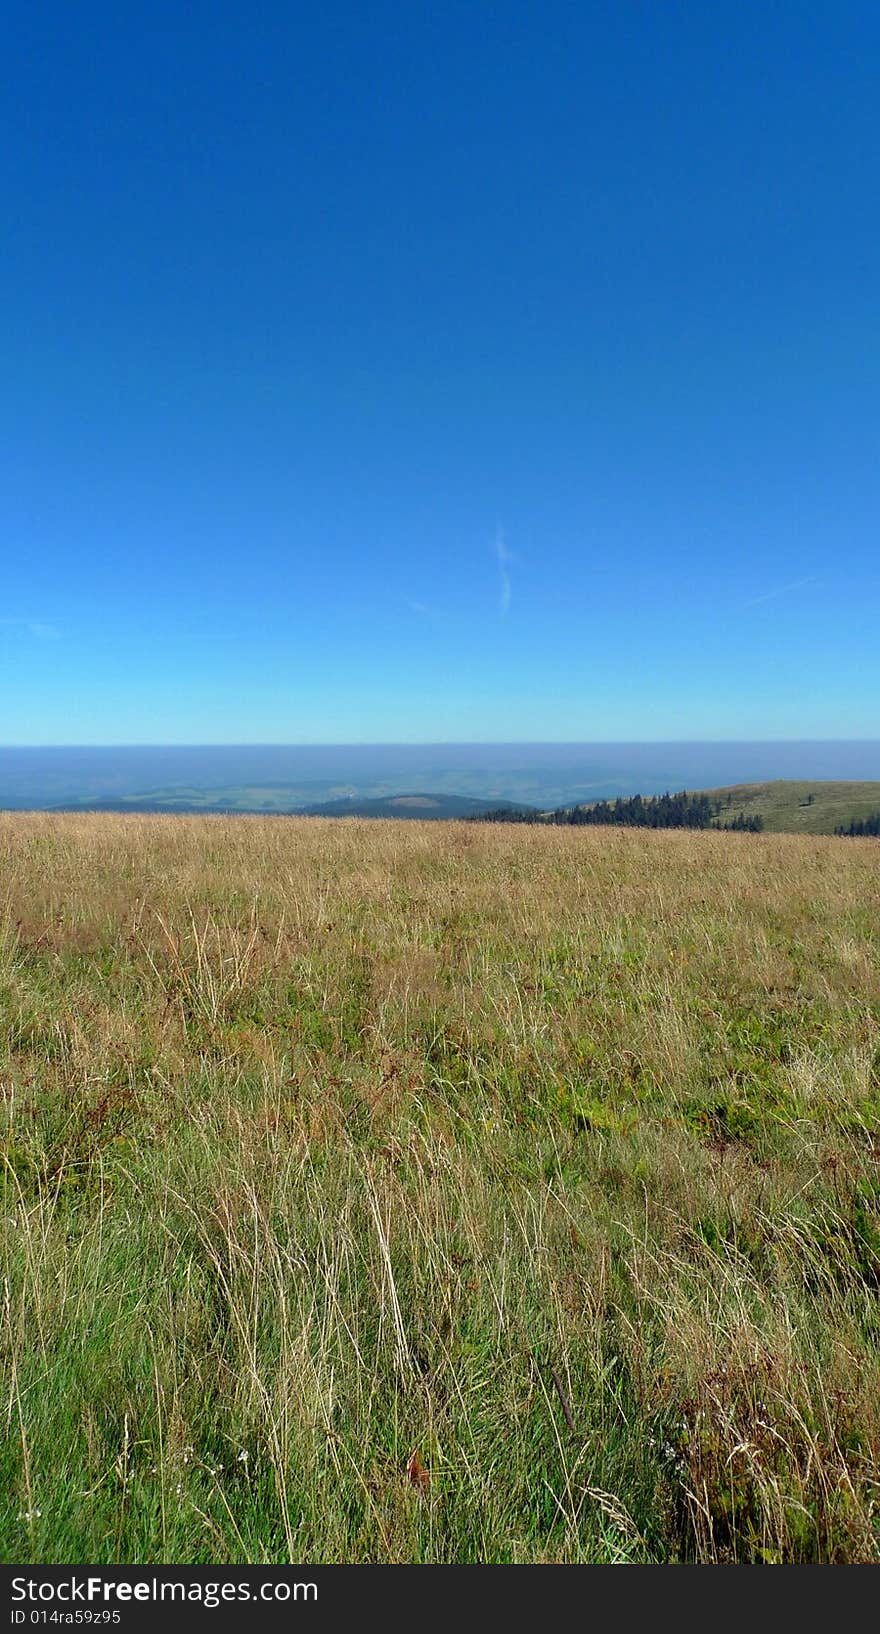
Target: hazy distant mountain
(410,805)
(296,778)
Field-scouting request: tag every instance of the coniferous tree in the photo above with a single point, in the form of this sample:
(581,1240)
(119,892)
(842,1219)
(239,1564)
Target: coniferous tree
(682,810)
(861,827)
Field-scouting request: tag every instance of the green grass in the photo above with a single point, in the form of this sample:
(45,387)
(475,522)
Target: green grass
(543,1162)
(800,808)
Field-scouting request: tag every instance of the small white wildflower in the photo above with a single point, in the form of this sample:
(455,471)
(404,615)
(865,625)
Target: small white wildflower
(242,1457)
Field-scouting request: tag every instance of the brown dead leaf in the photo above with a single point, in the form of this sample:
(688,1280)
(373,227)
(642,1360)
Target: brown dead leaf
(418,1474)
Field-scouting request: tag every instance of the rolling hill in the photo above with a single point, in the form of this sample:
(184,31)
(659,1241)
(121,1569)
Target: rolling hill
(423,806)
(798,808)
(785,806)
(782,807)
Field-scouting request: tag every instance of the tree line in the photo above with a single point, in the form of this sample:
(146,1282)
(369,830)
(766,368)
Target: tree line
(681,810)
(861,826)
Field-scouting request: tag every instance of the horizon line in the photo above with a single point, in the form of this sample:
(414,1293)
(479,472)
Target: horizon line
(432,743)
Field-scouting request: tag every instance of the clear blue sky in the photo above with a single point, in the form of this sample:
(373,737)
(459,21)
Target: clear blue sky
(439,371)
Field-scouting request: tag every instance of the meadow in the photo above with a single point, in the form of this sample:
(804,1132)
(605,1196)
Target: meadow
(410,1192)
(799,807)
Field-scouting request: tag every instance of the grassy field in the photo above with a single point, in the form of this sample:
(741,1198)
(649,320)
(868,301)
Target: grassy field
(420,1192)
(800,808)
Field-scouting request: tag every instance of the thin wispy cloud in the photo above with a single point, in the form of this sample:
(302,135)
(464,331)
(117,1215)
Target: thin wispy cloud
(428,613)
(34,627)
(780,590)
(504,560)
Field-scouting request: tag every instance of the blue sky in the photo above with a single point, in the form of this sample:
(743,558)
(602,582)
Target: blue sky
(422,372)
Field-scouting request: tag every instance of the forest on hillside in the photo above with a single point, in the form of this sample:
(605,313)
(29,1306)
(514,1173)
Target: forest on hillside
(861,826)
(681,810)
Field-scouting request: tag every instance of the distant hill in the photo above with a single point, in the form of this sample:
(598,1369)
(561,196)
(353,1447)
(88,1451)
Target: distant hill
(783,806)
(798,808)
(411,805)
(281,802)
(780,807)
(278,778)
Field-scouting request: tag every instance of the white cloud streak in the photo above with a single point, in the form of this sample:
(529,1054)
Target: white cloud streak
(43,632)
(504,560)
(781,590)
